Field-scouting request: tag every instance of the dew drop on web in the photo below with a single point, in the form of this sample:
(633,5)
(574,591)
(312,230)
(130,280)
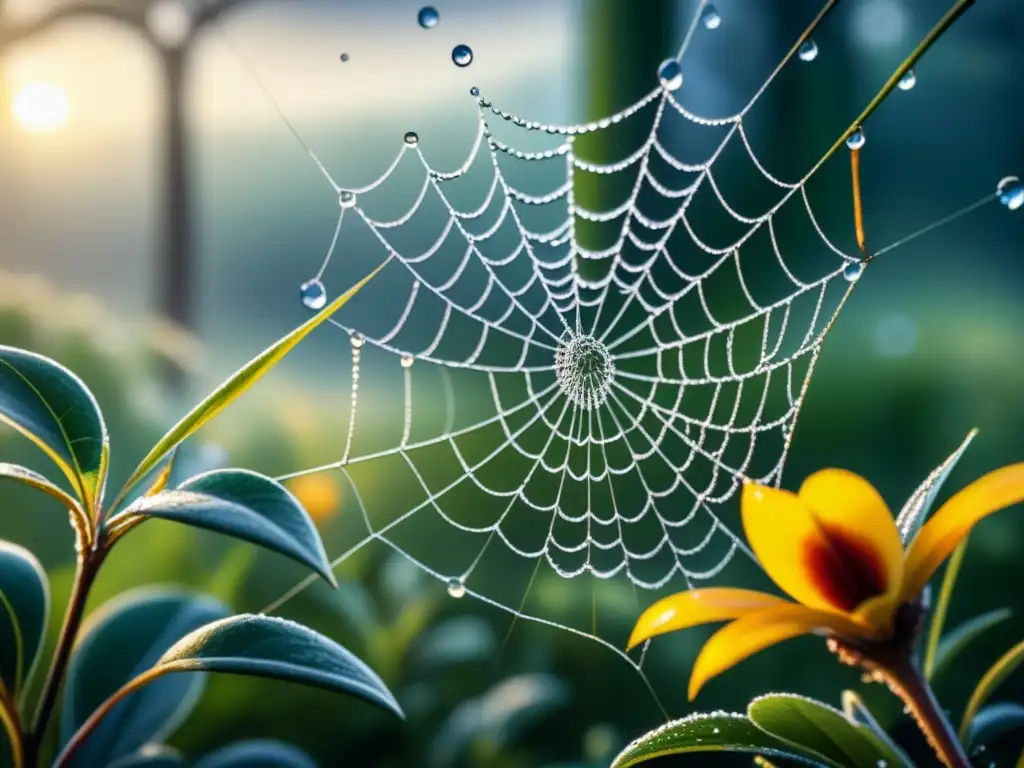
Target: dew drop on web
(456,587)
(808,51)
(462,55)
(856,139)
(711,18)
(1011,192)
(908,81)
(314,296)
(670,73)
(428,17)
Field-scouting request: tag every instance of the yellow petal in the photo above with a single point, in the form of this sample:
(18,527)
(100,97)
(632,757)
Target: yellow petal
(833,547)
(940,535)
(696,607)
(747,635)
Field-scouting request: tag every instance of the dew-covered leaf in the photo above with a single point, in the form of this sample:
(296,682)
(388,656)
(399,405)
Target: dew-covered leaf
(856,711)
(989,682)
(24,608)
(238,383)
(820,729)
(123,639)
(150,756)
(257,753)
(957,640)
(912,516)
(52,407)
(993,722)
(242,504)
(266,646)
(715,732)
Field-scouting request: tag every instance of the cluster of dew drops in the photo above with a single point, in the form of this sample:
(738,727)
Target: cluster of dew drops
(1009,192)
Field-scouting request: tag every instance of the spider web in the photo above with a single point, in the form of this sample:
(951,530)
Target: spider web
(582,388)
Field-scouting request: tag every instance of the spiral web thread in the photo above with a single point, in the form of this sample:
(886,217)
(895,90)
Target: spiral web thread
(591,426)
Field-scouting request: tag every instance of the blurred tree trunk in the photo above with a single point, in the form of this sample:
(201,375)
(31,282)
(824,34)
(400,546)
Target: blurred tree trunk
(626,41)
(176,264)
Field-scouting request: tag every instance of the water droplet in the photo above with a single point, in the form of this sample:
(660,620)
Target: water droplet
(412,138)
(462,55)
(407,361)
(456,587)
(346,199)
(313,293)
(715,730)
(808,50)
(474,91)
(670,73)
(358,340)
(428,17)
(908,81)
(856,139)
(1011,192)
(882,763)
(711,18)
(344,58)
(169,22)
(853,271)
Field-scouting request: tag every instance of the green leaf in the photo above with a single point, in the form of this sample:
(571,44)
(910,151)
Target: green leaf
(938,619)
(150,756)
(912,516)
(238,383)
(54,409)
(24,608)
(123,639)
(266,646)
(719,732)
(35,480)
(821,730)
(993,722)
(991,680)
(257,753)
(957,641)
(856,711)
(242,504)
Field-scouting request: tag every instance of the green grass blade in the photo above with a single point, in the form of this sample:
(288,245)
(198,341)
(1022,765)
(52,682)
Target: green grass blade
(241,381)
(991,680)
(942,607)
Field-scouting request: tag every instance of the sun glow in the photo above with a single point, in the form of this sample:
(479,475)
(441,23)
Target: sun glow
(41,107)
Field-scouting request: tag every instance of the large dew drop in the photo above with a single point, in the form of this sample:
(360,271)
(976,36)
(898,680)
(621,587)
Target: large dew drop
(462,55)
(343,57)
(412,139)
(808,51)
(853,271)
(456,587)
(314,295)
(711,18)
(670,73)
(407,361)
(346,199)
(856,139)
(1011,192)
(357,340)
(908,81)
(428,17)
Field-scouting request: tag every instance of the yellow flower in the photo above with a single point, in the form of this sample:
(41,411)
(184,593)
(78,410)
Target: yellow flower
(835,549)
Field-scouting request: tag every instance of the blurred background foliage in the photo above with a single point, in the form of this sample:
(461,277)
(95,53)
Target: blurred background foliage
(929,346)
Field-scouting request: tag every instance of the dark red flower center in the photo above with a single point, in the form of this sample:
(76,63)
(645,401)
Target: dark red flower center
(845,567)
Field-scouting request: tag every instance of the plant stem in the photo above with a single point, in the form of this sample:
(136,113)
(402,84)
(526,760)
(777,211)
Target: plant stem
(88,566)
(909,684)
(12,724)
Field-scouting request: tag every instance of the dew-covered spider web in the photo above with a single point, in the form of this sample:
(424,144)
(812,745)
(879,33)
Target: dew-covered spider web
(553,403)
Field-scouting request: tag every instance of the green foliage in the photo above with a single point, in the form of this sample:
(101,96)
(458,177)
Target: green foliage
(812,727)
(120,699)
(52,407)
(24,607)
(262,753)
(952,645)
(991,680)
(124,639)
(721,732)
(242,504)
(266,646)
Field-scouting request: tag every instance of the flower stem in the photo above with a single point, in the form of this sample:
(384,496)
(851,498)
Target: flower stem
(88,566)
(907,682)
